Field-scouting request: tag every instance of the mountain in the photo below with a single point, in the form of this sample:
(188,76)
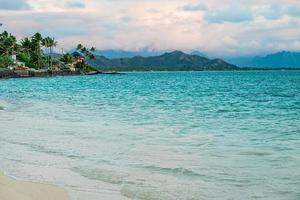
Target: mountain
(130,54)
(198,53)
(173,61)
(278,60)
(284,59)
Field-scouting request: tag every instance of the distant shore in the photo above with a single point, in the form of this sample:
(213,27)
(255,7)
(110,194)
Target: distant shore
(11,189)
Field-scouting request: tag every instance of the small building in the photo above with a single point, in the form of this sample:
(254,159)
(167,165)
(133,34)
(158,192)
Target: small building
(78,58)
(16,64)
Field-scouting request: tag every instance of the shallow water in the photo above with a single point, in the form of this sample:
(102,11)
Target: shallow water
(156,136)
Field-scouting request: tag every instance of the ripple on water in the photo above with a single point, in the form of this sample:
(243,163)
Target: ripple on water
(160,136)
(179,171)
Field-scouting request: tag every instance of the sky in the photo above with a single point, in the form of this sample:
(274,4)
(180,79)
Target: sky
(225,28)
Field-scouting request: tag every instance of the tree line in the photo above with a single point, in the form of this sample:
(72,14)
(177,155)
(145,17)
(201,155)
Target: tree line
(37,52)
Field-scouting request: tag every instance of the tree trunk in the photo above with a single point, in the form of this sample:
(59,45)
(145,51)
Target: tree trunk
(51,58)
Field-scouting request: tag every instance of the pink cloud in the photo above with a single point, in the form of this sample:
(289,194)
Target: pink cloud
(158,24)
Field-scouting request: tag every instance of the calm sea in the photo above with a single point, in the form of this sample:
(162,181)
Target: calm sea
(156,136)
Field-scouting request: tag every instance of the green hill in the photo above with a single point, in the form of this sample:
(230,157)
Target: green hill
(174,61)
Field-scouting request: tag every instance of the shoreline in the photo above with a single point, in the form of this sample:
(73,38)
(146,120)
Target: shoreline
(12,189)
(10,74)
(30,73)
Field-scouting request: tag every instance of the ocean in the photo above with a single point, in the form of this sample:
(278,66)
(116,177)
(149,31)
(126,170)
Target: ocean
(156,136)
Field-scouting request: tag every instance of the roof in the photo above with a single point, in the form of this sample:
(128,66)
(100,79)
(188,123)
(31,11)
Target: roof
(77,54)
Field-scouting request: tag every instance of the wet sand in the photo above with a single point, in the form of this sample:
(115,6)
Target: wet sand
(11,189)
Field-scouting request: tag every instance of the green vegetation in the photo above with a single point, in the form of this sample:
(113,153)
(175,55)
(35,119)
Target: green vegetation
(7,47)
(90,69)
(37,52)
(173,61)
(5,61)
(67,58)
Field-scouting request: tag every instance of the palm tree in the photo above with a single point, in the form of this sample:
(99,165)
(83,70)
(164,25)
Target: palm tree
(26,50)
(29,50)
(8,48)
(37,45)
(26,44)
(88,53)
(37,36)
(67,58)
(8,44)
(79,46)
(52,43)
(46,43)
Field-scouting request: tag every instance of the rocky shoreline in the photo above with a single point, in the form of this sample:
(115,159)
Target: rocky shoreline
(28,73)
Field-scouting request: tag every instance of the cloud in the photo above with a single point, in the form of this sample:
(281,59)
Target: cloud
(126,19)
(293,11)
(229,14)
(272,12)
(277,11)
(194,7)
(153,10)
(75,4)
(230,27)
(14,5)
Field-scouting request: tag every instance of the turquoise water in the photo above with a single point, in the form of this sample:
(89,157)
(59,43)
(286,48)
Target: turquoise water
(156,136)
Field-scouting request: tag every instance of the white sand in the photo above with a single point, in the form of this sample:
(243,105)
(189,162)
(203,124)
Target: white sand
(11,189)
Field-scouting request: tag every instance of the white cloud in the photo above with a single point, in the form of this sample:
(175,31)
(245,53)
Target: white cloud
(75,4)
(14,5)
(215,28)
(195,7)
(234,14)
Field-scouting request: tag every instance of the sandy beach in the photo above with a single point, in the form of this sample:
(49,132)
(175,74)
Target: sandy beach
(11,189)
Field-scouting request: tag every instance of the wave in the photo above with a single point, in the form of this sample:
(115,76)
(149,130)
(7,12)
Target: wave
(104,175)
(177,171)
(118,177)
(3,104)
(42,149)
(142,193)
(130,186)
(255,153)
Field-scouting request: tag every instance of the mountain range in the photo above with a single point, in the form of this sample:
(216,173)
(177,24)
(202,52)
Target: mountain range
(283,59)
(110,53)
(173,61)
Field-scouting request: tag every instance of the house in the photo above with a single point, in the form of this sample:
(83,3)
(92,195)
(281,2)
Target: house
(78,58)
(16,64)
